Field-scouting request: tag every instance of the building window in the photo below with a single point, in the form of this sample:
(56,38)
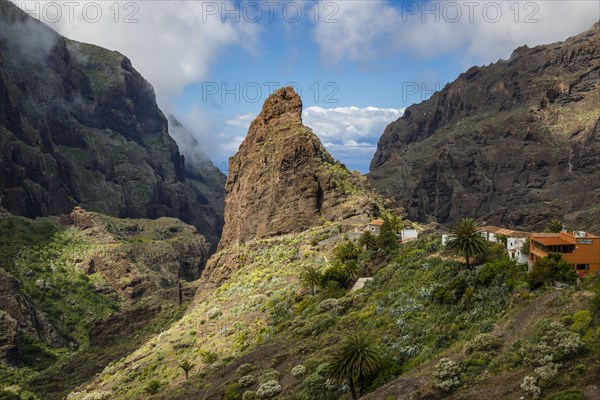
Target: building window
(583,267)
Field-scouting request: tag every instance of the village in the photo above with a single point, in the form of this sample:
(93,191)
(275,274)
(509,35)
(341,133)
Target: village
(579,248)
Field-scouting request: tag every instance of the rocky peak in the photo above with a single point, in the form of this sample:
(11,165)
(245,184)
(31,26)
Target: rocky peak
(283,105)
(282,179)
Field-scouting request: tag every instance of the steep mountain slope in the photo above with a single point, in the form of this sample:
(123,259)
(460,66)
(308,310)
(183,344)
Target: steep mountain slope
(81,291)
(80,126)
(283,180)
(515,143)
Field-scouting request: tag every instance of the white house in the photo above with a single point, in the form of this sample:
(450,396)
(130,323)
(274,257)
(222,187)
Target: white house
(375,226)
(408,234)
(515,240)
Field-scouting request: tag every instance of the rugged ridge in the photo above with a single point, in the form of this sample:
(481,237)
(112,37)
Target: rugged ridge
(283,180)
(80,126)
(516,142)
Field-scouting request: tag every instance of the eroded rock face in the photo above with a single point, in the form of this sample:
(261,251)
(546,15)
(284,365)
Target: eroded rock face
(19,313)
(80,126)
(282,179)
(514,143)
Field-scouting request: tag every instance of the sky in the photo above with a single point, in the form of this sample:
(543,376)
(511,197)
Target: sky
(356,64)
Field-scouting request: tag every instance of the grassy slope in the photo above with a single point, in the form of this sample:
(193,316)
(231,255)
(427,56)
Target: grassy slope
(76,302)
(419,307)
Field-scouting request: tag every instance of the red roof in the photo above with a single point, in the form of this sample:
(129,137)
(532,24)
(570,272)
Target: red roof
(377,222)
(550,241)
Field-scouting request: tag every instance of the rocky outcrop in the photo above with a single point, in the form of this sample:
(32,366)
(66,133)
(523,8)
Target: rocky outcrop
(137,257)
(514,143)
(80,126)
(283,180)
(18,313)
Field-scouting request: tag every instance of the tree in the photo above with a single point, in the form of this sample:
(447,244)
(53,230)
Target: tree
(549,269)
(368,240)
(466,239)
(395,222)
(387,240)
(346,251)
(310,277)
(186,366)
(357,357)
(555,226)
(352,269)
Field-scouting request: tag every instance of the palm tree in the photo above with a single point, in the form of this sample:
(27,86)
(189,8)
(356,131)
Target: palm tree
(352,269)
(395,222)
(357,357)
(555,226)
(466,239)
(186,366)
(368,240)
(346,251)
(310,277)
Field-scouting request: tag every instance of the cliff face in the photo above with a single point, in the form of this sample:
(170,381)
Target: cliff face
(80,126)
(283,180)
(514,143)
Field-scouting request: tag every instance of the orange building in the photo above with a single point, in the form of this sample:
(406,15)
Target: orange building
(580,249)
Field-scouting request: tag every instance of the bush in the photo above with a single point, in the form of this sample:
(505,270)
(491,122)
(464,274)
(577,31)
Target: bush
(484,342)
(245,369)
(315,387)
(153,387)
(232,392)
(269,375)
(249,395)
(581,321)
(529,386)
(549,269)
(214,313)
(447,373)
(246,381)
(208,357)
(298,370)
(268,390)
(501,271)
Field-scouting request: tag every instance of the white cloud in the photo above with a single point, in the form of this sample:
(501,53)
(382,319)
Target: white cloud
(172,44)
(241,120)
(350,134)
(369,29)
(349,123)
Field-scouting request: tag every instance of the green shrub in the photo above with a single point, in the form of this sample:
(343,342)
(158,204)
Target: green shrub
(447,374)
(502,271)
(208,357)
(269,375)
(298,370)
(581,321)
(232,392)
(153,387)
(246,381)
(549,269)
(269,390)
(249,395)
(483,342)
(245,369)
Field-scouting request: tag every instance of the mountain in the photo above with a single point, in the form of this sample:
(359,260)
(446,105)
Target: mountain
(83,290)
(80,126)
(514,143)
(283,180)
